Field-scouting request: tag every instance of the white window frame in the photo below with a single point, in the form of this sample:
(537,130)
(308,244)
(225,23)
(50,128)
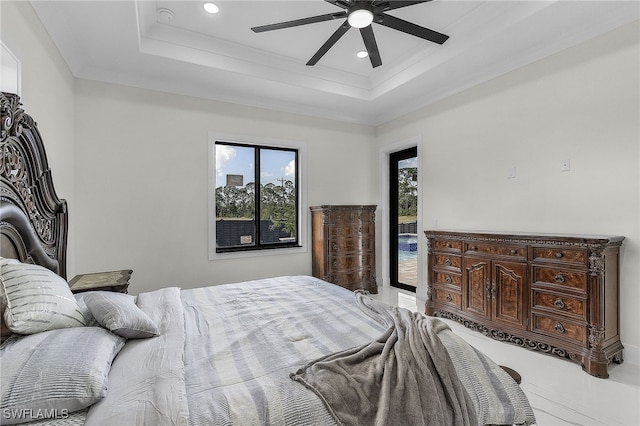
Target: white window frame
(302,197)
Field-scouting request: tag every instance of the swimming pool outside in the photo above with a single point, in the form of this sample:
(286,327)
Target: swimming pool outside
(408,259)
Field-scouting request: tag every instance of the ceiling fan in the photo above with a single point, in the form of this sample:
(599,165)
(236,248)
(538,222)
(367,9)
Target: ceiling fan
(361,14)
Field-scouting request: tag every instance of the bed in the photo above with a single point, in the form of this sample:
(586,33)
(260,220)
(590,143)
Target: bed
(286,350)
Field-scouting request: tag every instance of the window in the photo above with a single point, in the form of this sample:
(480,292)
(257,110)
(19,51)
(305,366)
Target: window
(256,199)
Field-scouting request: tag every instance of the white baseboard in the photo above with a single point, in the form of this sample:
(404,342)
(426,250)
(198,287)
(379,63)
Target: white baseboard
(631,354)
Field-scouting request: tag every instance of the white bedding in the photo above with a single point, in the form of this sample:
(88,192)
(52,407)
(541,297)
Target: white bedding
(225,353)
(146,382)
(243,341)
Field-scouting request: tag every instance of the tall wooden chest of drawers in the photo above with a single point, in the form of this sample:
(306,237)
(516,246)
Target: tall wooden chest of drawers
(343,244)
(552,293)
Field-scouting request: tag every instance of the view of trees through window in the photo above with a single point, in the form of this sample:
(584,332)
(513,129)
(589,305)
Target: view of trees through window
(250,216)
(407,192)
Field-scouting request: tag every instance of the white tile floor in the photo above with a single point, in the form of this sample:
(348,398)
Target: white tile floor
(558,390)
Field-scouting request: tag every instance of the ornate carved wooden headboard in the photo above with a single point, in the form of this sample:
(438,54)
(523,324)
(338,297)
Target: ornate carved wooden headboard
(33,220)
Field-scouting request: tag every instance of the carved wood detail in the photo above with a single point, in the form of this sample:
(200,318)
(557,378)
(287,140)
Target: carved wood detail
(552,291)
(33,220)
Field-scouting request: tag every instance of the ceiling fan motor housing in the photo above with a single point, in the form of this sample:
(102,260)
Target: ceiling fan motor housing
(360,15)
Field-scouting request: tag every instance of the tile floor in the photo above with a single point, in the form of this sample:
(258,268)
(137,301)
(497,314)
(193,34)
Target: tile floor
(558,390)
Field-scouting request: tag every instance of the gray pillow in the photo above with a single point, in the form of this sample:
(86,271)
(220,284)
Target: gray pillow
(119,313)
(36,299)
(54,373)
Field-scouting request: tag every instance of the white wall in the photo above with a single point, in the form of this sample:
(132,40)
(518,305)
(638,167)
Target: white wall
(134,166)
(581,104)
(141,164)
(48,96)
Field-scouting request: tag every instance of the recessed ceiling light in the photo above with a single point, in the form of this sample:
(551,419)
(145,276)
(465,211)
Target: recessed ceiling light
(362,54)
(211,7)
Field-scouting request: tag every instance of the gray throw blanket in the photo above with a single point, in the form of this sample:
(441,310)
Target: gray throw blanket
(405,377)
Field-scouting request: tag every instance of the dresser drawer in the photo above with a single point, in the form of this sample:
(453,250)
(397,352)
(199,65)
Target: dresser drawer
(560,303)
(560,277)
(514,251)
(448,261)
(448,297)
(560,327)
(446,245)
(347,244)
(447,278)
(351,230)
(560,254)
(345,216)
(346,262)
(353,280)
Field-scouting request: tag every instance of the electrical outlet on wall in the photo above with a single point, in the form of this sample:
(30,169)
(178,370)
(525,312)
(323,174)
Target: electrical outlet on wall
(511,172)
(565,166)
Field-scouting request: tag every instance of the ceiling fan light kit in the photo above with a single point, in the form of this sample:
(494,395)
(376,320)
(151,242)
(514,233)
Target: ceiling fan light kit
(361,14)
(360,17)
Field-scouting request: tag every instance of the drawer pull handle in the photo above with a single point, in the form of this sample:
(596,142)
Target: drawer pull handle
(335,246)
(473,248)
(559,278)
(559,328)
(449,280)
(514,251)
(559,255)
(447,261)
(449,245)
(449,298)
(559,303)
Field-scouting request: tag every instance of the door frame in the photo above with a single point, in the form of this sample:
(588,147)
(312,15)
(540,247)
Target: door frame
(384,157)
(393,193)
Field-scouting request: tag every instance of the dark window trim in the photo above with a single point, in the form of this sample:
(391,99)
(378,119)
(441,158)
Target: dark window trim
(258,244)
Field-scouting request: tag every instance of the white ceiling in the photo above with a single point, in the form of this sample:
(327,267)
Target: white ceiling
(219,57)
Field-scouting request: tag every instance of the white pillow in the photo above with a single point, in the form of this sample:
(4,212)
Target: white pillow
(36,299)
(55,373)
(119,313)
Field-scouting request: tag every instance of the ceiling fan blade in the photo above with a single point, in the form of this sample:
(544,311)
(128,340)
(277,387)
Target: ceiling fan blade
(413,29)
(371,45)
(329,43)
(297,22)
(345,4)
(396,4)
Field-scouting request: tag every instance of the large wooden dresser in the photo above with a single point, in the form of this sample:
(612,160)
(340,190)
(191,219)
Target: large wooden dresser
(556,294)
(343,244)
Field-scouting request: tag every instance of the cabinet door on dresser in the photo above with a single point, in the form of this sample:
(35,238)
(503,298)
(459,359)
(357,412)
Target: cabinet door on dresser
(476,285)
(509,293)
(495,290)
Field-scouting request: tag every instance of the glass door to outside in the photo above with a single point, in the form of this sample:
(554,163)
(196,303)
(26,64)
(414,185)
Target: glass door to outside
(403,197)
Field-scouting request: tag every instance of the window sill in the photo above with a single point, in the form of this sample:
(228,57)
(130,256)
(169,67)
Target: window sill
(243,254)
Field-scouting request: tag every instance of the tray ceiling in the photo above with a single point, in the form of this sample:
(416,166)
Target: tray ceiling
(176,47)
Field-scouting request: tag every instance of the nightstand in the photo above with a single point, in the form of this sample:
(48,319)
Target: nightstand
(117,281)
